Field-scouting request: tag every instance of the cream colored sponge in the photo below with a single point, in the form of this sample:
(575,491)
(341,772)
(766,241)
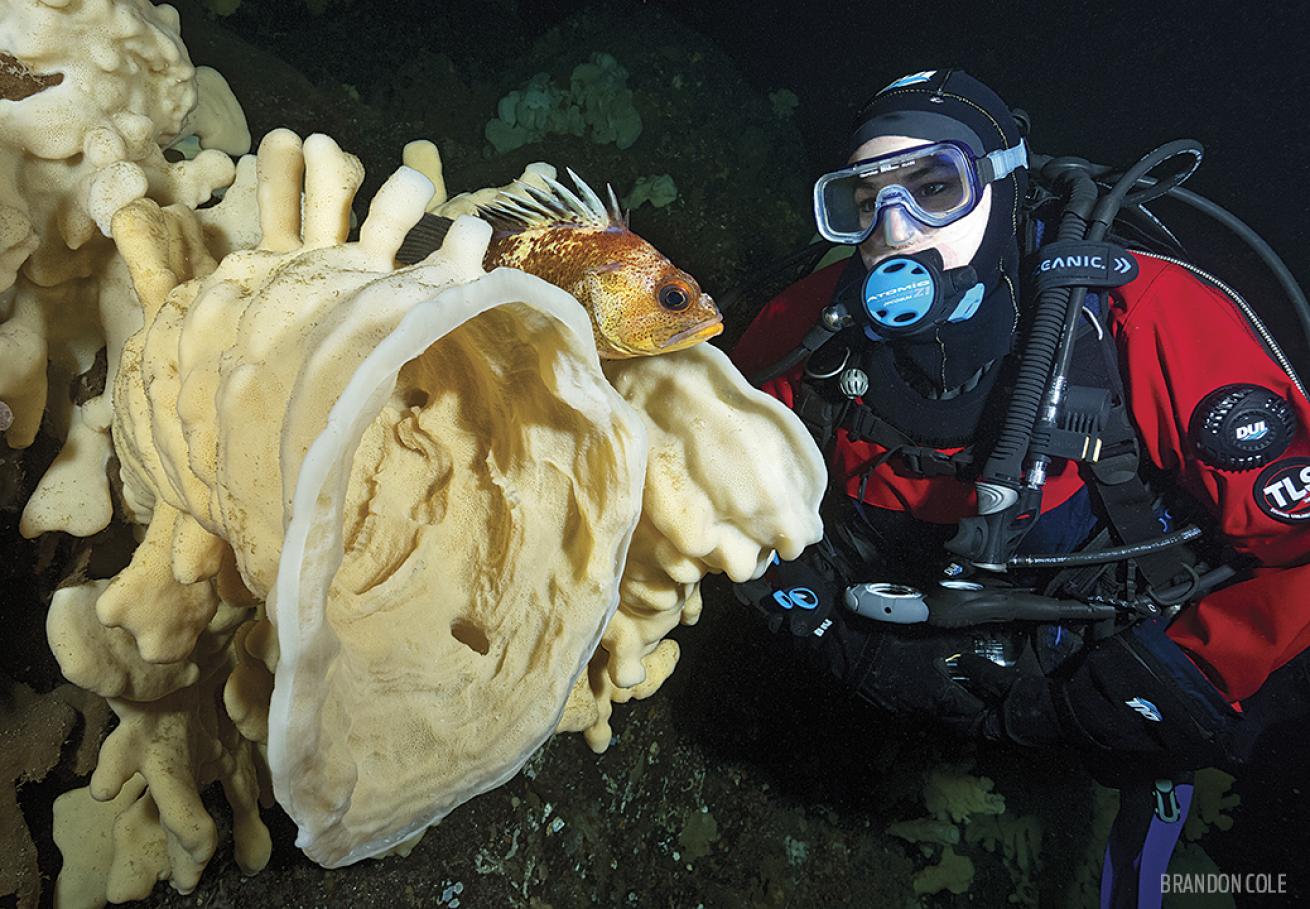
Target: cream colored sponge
(393,458)
(733,474)
(90,91)
(733,477)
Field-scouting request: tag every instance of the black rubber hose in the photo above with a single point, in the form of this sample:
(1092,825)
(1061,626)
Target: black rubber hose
(1109,206)
(778,368)
(1115,554)
(1261,248)
(1103,214)
(815,338)
(1244,231)
(1171,596)
(1005,462)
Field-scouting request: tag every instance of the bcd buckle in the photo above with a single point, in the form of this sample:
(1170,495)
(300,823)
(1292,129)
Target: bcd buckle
(929,462)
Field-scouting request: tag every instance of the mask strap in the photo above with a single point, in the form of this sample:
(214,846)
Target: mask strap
(998,165)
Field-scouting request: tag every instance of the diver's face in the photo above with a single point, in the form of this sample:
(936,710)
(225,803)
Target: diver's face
(898,232)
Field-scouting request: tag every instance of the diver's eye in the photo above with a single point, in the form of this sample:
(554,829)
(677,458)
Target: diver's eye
(674,297)
(928,190)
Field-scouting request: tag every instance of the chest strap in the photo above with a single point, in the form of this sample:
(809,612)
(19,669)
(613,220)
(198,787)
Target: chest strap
(863,425)
(819,412)
(1095,430)
(1113,468)
(823,414)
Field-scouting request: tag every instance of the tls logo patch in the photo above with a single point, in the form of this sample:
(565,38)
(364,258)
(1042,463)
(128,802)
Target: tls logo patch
(1282,490)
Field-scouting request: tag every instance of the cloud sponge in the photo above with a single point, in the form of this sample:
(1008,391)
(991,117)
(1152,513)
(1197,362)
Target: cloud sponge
(392,458)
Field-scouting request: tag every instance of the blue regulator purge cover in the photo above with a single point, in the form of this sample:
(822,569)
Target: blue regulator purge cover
(899,293)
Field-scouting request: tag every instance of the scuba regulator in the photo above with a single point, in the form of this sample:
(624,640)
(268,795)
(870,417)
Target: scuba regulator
(906,295)
(903,295)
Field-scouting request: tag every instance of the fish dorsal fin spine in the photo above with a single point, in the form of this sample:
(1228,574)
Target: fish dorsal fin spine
(616,211)
(523,207)
(593,200)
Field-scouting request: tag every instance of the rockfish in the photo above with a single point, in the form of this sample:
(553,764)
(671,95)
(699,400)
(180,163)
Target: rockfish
(640,303)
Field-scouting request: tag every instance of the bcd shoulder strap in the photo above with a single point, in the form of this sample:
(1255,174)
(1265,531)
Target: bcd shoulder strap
(1114,471)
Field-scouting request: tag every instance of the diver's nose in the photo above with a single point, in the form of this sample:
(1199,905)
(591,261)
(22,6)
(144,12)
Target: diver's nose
(898,228)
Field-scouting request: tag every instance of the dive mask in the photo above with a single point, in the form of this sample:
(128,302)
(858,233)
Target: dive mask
(935,184)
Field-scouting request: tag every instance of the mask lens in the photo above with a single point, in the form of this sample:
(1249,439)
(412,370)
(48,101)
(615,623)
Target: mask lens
(937,184)
(845,208)
(934,183)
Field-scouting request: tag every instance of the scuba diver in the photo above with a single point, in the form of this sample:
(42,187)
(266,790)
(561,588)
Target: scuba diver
(1070,472)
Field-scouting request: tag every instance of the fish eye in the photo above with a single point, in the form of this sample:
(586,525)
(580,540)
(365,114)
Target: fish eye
(674,297)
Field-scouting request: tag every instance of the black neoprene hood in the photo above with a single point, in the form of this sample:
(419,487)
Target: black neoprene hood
(951,104)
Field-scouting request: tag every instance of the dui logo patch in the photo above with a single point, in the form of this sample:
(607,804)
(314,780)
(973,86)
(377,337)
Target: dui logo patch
(1283,490)
(1242,427)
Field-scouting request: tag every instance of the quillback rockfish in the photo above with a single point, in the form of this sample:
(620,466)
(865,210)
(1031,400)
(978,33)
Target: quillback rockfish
(640,303)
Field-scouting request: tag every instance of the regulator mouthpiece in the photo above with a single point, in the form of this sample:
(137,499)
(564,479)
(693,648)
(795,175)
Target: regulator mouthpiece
(906,295)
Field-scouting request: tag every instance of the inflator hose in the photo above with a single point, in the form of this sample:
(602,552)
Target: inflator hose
(1007,499)
(1244,231)
(780,367)
(1088,216)
(1262,249)
(1103,216)
(833,321)
(1005,462)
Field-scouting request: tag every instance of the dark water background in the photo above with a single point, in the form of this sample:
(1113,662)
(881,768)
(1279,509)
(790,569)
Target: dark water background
(1107,81)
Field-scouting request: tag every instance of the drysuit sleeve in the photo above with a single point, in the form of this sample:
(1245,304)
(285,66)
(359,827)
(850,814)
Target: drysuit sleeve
(781,326)
(1181,343)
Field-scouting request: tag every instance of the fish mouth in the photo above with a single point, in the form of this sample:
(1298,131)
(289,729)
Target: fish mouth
(694,335)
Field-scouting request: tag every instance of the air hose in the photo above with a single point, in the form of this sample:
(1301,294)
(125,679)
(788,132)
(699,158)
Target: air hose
(990,537)
(1103,216)
(1154,189)
(1114,554)
(1258,244)
(1262,249)
(1005,463)
(833,320)
(1196,586)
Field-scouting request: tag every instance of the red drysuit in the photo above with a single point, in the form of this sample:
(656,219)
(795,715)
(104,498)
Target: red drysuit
(1178,339)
